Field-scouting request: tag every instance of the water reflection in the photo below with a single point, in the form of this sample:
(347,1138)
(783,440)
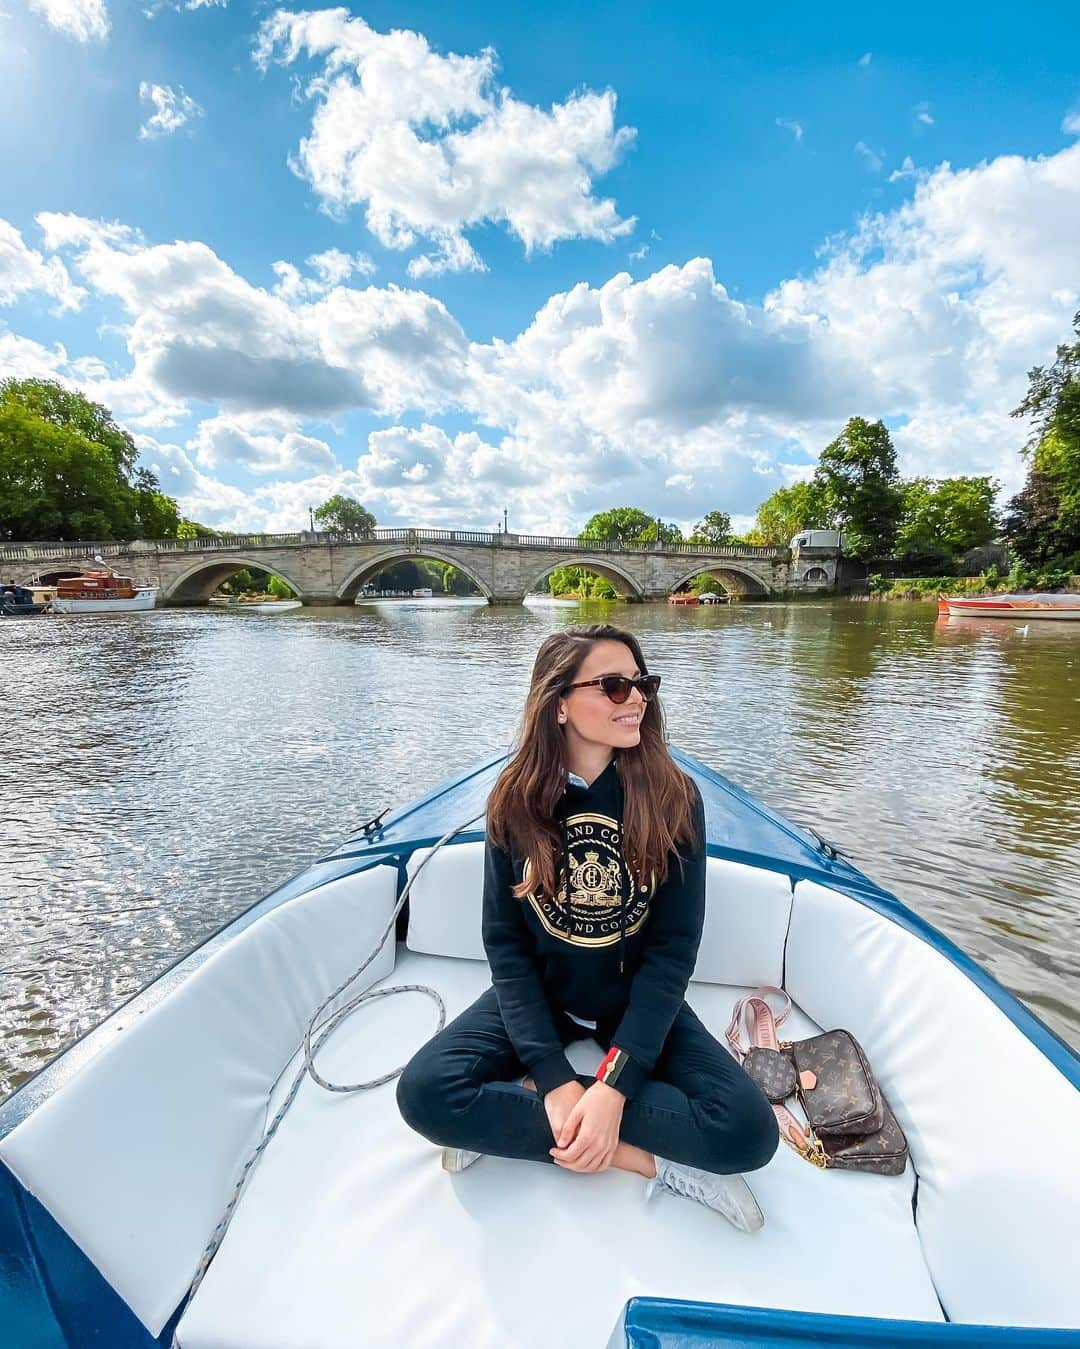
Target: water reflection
(162,771)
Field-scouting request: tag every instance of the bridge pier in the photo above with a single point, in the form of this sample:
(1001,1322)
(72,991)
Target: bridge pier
(323,600)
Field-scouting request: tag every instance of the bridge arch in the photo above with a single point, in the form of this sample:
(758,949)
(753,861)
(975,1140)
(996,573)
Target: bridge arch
(50,571)
(735,579)
(622,581)
(198,582)
(347,591)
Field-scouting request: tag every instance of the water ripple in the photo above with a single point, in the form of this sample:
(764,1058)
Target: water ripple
(163,771)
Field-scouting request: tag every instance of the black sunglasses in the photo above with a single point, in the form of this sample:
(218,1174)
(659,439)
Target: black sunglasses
(617,687)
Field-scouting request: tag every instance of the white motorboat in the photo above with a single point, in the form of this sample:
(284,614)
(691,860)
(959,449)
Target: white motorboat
(254,606)
(101,592)
(1052,604)
(118,1160)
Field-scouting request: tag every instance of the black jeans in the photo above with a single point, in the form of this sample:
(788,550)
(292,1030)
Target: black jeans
(699,1106)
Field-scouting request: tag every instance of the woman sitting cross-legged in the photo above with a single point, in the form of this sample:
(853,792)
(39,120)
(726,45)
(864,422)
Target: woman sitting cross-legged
(594,901)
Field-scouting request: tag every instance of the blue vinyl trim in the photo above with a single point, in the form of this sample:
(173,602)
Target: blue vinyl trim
(667,1323)
(51,1296)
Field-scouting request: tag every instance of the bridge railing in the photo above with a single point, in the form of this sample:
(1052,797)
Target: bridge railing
(29,552)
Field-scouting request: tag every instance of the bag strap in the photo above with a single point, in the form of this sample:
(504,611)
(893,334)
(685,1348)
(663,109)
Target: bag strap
(762,1035)
(764,1022)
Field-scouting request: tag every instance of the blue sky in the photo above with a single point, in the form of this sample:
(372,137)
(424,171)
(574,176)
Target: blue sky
(568,256)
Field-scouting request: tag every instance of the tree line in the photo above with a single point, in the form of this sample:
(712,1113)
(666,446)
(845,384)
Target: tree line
(68,471)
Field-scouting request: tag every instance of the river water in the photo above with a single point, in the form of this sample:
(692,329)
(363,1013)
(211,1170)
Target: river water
(160,772)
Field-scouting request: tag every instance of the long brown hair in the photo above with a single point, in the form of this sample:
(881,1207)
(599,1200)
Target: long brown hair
(658,797)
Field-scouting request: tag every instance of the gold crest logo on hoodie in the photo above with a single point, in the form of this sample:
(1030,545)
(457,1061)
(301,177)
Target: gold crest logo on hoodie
(595,872)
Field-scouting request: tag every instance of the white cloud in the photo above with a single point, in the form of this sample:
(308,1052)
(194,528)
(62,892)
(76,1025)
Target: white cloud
(155,9)
(453,253)
(795,128)
(405,475)
(332,268)
(873,159)
(260,442)
(922,114)
(200,497)
(84,20)
(636,254)
(173,110)
(430,146)
(24,269)
(866,58)
(667,392)
(23,358)
(1070,123)
(933,312)
(200,331)
(943,305)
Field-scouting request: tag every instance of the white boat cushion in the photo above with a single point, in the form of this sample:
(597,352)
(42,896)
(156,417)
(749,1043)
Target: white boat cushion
(990,1122)
(747,911)
(138,1154)
(746,916)
(350,1232)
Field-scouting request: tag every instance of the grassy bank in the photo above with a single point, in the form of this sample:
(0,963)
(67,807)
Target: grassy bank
(989,583)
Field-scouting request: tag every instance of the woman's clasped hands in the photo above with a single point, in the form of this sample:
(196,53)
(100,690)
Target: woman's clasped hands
(587,1134)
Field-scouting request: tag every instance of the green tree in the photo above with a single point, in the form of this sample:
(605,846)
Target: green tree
(244,582)
(279,589)
(860,487)
(344,515)
(622,524)
(1042,522)
(570,580)
(786,513)
(1032,518)
(63,407)
(714,530)
(946,516)
(67,471)
(157,516)
(191,529)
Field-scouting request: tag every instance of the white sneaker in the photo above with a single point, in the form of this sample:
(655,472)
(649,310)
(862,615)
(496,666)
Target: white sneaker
(727,1194)
(457,1159)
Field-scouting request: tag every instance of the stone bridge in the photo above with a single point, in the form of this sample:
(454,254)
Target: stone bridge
(328,569)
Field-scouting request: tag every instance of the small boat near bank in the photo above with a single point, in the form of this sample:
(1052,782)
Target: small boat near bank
(18,602)
(1050,605)
(117,1160)
(101,592)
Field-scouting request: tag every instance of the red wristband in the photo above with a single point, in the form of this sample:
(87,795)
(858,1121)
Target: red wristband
(611,1065)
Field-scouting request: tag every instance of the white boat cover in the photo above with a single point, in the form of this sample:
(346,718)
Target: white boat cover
(351,1233)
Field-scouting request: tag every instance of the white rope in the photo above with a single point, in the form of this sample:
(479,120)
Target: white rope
(326,1029)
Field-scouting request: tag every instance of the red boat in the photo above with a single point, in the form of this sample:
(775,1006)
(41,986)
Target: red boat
(101,592)
(1062,605)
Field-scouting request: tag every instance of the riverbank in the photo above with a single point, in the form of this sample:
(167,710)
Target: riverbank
(930,587)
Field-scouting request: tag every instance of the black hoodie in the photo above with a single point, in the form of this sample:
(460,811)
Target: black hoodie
(597,951)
